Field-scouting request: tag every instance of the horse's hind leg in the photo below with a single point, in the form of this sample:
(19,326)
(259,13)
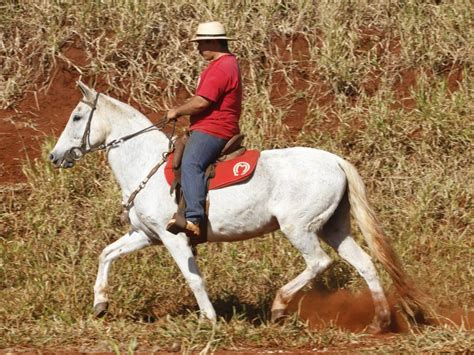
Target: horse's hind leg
(316,262)
(336,233)
(130,242)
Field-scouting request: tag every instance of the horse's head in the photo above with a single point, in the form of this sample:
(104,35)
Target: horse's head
(85,129)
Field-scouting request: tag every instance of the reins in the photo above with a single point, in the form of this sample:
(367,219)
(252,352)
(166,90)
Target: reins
(76,153)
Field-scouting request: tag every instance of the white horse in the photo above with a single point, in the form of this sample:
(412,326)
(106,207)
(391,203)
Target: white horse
(306,193)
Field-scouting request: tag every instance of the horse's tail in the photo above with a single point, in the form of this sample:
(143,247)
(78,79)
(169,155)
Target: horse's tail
(413,301)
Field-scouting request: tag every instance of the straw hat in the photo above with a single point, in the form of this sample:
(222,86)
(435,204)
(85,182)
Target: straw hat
(210,30)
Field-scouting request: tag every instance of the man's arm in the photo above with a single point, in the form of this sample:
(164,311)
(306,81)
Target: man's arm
(193,106)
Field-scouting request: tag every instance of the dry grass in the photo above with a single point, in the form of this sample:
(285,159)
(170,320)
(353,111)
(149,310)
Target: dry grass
(412,144)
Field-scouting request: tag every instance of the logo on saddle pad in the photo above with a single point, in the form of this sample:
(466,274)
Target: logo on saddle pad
(241,168)
(227,172)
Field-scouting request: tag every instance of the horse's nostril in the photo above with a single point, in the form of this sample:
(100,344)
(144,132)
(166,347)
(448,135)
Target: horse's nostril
(52,157)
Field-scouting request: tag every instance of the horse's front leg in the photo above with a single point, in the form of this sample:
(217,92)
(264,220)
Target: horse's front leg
(182,254)
(128,243)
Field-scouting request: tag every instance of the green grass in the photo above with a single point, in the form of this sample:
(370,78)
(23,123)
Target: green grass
(412,144)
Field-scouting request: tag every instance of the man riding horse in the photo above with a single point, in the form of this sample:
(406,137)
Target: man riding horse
(214,118)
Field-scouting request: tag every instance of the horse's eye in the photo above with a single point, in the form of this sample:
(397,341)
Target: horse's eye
(76,118)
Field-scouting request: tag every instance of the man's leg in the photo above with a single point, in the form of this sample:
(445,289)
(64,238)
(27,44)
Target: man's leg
(201,150)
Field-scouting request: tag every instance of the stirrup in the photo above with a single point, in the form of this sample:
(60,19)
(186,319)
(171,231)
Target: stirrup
(178,224)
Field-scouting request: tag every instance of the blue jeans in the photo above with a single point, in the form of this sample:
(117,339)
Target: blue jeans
(201,150)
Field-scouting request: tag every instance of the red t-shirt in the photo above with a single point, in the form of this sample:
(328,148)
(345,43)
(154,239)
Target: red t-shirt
(221,84)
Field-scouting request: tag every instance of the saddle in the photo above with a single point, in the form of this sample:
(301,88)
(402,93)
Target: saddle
(234,164)
(232,149)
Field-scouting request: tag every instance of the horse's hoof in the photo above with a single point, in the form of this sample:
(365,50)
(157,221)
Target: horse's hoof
(100,309)
(278,315)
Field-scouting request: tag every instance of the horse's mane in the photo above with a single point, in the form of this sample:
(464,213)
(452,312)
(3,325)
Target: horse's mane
(122,107)
(132,115)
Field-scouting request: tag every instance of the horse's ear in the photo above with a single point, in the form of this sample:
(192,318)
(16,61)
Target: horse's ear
(88,93)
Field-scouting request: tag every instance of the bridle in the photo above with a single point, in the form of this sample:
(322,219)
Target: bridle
(76,153)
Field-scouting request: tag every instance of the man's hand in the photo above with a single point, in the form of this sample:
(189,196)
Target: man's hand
(172,115)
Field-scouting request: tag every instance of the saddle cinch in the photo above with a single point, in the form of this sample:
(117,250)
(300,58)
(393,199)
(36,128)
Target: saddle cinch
(235,164)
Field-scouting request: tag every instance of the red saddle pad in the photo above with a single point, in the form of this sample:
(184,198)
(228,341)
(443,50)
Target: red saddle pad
(228,172)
